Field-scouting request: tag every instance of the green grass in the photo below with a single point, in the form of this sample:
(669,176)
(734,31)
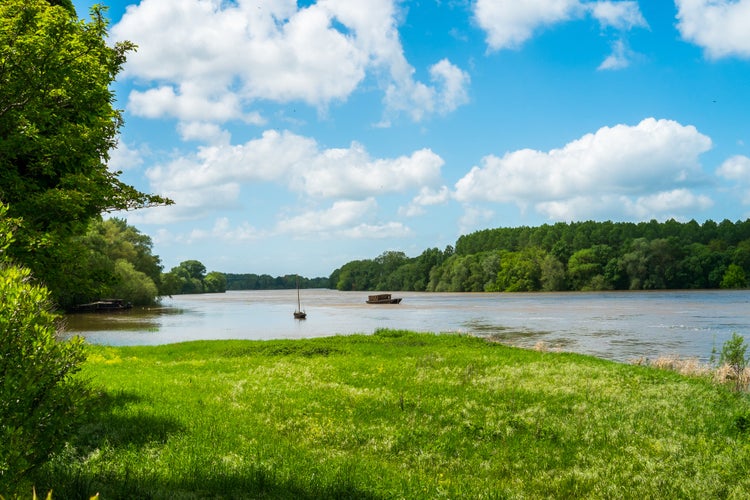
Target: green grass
(398,415)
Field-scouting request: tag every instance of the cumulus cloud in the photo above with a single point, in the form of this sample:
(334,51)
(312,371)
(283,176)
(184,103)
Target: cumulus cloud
(289,160)
(124,157)
(351,172)
(344,219)
(737,169)
(508,24)
(426,197)
(203,132)
(222,230)
(618,15)
(625,170)
(720,27)
(474,218)
(206,60)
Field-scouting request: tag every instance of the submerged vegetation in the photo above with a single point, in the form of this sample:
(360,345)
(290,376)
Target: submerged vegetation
(398,415)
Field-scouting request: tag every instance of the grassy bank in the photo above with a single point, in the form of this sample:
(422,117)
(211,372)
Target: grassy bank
(398,415)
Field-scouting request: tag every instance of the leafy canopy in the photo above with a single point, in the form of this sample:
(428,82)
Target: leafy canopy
(40,399)
(57,126)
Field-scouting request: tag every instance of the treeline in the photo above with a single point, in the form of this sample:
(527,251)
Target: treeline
(191,277)
(267,282)
(568,256)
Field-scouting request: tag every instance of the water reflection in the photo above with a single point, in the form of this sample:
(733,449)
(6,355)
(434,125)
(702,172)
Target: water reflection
(613,325)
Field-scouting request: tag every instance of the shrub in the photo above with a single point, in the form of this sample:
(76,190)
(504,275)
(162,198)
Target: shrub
(40,400)
(734,359)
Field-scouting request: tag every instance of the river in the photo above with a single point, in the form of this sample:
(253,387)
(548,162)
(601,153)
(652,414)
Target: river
(619,326)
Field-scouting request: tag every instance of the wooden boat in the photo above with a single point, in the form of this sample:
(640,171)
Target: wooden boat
(104,305)
(299,313)
(383,298)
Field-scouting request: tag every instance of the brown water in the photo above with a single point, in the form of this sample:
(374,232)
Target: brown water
(613,325)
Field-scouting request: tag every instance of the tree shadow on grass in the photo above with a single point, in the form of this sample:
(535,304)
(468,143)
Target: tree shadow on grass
(107,425)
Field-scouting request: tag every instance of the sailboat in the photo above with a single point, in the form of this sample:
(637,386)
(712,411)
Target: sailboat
(299,313)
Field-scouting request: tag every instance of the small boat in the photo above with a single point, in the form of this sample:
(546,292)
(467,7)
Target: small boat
(383,298)
(104,305)
(299,313)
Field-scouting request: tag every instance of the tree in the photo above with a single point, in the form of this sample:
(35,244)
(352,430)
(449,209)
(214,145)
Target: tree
(119,263)
(57,126)
(215,282)
(190,277)
(734,277)
(40,400)
(132,285)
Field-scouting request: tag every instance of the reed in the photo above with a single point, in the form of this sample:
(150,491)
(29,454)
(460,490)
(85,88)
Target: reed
(398,415)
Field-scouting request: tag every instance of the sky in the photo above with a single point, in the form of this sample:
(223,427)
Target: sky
(295,137)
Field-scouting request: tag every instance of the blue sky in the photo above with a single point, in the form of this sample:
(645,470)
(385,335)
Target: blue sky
(297,136)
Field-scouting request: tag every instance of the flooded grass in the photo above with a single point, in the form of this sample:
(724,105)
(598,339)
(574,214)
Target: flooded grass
(398,415)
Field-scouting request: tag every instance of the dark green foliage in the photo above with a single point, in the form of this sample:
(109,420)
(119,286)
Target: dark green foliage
(116,262)
(268,282)
(190,277)
(40,400)
(576,256)
(57,126)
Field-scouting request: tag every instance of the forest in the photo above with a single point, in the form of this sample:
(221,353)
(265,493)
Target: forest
(567,256)
(267,282)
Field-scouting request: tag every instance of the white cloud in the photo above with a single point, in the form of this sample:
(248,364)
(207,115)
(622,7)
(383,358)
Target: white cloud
(668,204)
(351,172)
(223,231)
(736,168)
(452,82)
(203,132)
(618,15)
(720,27)
(598,171)
(426,197)
(123,157)
(620,57)
(190,204)
(207,60)
(661,206)
(474,218)
(509,23)
(343,219)
(213,177)
(378,231)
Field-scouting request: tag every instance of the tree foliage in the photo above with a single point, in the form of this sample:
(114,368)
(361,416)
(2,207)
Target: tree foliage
(116,261)
(190,277)
(40,400)
(576,256)
(252,281)
(57,126)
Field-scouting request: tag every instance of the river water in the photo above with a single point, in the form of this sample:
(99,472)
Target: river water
(614,325)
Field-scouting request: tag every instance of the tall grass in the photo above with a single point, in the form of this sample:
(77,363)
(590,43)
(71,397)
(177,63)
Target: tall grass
(398,415)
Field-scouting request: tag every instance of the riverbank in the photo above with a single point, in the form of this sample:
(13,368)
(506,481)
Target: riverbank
(398,415)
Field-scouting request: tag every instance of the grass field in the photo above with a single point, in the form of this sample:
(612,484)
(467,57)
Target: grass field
(398,415)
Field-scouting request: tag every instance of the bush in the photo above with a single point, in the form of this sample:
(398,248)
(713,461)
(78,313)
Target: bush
(40,400)
(734,357)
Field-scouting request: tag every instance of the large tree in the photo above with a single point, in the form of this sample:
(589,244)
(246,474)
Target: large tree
(58,124)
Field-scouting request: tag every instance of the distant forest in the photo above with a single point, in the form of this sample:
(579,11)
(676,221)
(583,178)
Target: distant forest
(567,256)
(267,282)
